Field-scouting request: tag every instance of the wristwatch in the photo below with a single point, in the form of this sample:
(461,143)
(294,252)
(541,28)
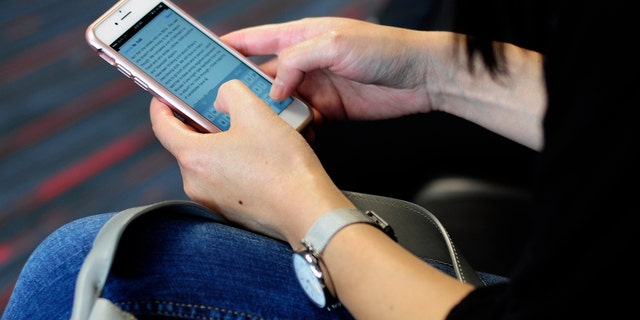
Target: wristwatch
(306,262)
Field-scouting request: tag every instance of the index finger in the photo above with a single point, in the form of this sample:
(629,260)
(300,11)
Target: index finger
(272,38)
(167,128)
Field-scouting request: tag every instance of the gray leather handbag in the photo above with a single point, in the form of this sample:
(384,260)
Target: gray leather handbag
(415,228)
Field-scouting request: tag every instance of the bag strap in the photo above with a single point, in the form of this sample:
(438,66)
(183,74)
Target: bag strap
(87,303)
(415,228)
(419,231)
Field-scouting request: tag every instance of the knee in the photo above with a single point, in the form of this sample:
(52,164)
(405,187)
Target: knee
(70,242)
(66,246)
(47,279)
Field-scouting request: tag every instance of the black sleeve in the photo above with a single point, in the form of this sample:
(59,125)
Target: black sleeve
(482,303)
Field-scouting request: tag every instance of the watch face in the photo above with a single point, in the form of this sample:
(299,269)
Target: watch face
(310,277)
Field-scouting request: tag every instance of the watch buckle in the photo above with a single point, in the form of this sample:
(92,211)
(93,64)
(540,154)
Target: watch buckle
(381,223)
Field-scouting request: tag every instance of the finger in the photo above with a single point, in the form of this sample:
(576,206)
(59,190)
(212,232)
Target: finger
(301,46)
(167,128)
(324,51)
(265,39)
(270,67)
(242,105)
(272,38)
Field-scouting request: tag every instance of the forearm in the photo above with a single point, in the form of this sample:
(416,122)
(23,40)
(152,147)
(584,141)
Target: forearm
(511,104)
(372,275)
(375,278)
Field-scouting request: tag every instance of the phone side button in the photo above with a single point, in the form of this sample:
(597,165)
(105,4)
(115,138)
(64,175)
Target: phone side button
(106,57)
(123,70)
(141,84)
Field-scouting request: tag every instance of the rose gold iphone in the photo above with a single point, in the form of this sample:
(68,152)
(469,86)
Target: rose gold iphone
(168,53)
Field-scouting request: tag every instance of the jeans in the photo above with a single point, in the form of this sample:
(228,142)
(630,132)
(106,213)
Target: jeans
(173,266)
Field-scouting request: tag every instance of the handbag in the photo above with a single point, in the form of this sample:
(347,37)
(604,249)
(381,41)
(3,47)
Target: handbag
(414,227)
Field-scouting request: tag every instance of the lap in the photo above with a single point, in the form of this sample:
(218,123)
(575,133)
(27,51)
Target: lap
(172,265)
(175,266)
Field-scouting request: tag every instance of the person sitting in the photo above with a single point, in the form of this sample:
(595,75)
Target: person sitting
(569,99)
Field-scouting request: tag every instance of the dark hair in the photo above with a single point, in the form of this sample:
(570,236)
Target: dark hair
(487,23)
(491,52)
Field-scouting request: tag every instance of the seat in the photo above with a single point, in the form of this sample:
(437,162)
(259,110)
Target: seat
(489,221)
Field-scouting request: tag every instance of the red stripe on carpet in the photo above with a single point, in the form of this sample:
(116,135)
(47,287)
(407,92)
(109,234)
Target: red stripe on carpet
(42,55)
(88,167)
(65,115)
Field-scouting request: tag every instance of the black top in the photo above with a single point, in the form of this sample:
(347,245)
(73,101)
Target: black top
(580,258)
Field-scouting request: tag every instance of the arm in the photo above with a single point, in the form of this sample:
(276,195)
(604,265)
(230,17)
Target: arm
(262,174)
(511,104)
(358,70)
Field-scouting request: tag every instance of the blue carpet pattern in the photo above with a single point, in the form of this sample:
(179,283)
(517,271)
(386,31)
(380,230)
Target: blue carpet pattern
(75,137)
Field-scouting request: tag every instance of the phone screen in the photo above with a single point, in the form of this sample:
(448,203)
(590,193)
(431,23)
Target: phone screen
(189,63)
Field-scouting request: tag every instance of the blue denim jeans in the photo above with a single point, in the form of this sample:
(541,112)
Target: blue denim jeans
(172,266)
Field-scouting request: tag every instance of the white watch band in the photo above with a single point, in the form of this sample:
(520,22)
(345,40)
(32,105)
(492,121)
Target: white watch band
(329,224)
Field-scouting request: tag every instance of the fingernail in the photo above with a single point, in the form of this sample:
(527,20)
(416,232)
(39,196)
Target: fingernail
(276,91)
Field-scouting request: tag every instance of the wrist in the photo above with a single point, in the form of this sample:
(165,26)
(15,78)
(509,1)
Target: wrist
(308,264)
(307,212)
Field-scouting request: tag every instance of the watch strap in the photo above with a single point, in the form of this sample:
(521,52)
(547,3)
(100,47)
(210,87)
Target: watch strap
(329,224)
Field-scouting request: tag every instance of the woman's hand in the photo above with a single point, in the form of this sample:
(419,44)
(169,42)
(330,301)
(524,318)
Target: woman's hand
(348,68)
(261,173)
(344,68)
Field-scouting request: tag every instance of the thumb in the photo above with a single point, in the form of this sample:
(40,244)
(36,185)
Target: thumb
(242,105)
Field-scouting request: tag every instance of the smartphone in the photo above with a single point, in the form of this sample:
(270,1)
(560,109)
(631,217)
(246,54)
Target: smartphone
(168,53)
